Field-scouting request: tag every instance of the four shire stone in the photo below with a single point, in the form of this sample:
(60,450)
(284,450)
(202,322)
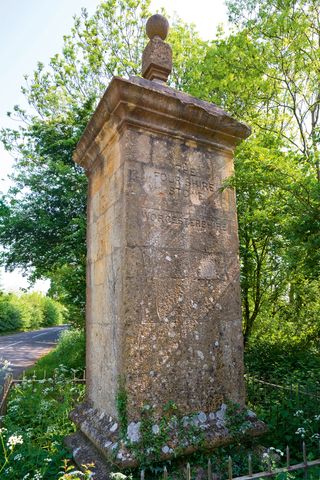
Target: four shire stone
(163,297)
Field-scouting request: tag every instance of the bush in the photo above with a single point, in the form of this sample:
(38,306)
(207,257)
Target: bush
(29,311)
(10,315)
(36,303)
(35,425)
(52,312)
(24,308)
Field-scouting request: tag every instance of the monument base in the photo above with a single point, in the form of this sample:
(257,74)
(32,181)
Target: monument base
(155,440)
(84,453)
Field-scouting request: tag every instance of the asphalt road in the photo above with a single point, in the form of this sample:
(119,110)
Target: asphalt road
(22,350)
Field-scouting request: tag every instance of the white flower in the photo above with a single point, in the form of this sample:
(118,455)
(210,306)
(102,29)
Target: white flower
(317,417)
(45,405)
(76,472)
(276,450)
(17,457)
(301,431)
(14,440)
(37,476)
(118,476)
(316,436)
(298,413)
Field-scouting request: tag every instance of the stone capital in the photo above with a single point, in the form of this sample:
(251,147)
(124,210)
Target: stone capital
(143,104)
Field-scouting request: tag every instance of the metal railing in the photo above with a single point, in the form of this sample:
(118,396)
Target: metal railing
(9,382)
(295,391)
(271,471)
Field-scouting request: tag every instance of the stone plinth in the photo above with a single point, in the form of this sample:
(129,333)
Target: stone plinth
(163,297)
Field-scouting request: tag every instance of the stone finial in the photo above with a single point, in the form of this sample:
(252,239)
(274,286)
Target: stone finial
(157,56)
(157,26)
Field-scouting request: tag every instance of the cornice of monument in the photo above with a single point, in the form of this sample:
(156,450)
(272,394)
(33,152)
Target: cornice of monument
(149,105)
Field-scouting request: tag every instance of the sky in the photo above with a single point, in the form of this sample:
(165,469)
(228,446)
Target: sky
(32,31)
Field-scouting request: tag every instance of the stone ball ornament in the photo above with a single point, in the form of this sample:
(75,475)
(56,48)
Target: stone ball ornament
(157,26)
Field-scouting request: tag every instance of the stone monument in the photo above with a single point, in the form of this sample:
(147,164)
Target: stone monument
(163,297)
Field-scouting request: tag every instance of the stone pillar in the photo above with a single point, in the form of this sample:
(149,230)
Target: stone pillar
(163,296)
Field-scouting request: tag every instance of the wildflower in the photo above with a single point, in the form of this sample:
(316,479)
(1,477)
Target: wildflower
(118,476)
(14,408)
(14,440)
(317,418)
(37,476)
(45,405)
(301,431)
(276,450)
(17,457)
(316,436)
(298,413)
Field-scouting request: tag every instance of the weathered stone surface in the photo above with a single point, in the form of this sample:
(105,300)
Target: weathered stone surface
(210,433)
(157,26)
(157,60)
(157,56)
(163,299)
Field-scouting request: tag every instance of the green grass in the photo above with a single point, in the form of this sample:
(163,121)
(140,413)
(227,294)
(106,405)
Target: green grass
(69,352)
(38,414)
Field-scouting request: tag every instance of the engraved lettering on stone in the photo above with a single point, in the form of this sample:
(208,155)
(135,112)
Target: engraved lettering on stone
(171,218)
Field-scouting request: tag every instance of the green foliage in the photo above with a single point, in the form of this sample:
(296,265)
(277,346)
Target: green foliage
(121,402)
(266,72)
(10,315)
(52,312)
(35,302)
(38,415)
(291,410)
(38,411)
(70,352)
(72,473)
(157,432)
(43,217)
(68,284)
(29,311)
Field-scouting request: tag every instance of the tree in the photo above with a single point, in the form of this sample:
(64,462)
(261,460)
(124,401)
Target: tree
(267,73)
(43,221)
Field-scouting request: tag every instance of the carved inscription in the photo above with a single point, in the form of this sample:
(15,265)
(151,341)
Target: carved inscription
(183,185)
(168,218)
(182,182)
